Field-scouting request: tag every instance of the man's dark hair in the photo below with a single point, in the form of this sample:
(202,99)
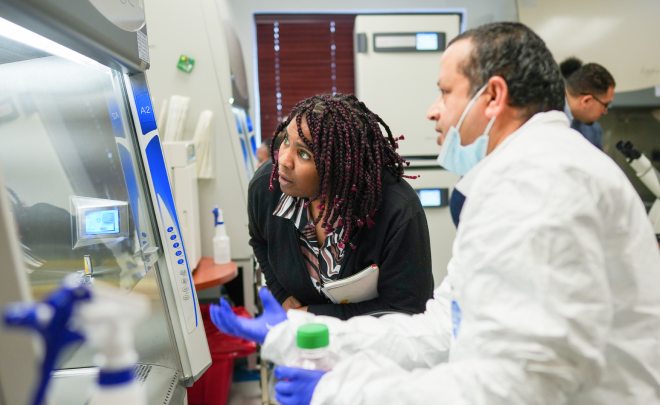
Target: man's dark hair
(351,155)
(591,78)
(519,56)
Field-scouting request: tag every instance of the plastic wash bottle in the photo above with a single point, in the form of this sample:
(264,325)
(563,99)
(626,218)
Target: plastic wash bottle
(221,252)
(313,340)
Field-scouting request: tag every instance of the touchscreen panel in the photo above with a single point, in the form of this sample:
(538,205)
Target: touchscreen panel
(101,222)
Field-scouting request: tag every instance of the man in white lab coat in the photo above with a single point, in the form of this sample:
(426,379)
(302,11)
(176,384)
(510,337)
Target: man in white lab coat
(553,290)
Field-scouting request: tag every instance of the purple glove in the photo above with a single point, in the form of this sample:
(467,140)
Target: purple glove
(298,385)
(250,329)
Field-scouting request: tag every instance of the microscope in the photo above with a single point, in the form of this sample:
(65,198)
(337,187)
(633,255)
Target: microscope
(647,174)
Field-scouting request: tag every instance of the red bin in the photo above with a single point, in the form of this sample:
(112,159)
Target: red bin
(213,386)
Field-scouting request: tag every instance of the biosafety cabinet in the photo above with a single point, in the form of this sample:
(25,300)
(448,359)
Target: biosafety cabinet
(82,173)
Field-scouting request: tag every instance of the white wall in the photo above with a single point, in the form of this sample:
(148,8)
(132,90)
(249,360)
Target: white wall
(620,35)
(477,11)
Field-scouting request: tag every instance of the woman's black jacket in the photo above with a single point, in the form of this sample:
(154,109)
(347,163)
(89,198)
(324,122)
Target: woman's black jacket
(398,243)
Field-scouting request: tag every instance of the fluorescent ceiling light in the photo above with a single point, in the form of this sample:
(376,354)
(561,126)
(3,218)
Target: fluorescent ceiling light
(29,38)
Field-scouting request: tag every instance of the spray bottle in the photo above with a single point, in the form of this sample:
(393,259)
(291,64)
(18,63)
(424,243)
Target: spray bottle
(108,322)
(221,253)
(75,312)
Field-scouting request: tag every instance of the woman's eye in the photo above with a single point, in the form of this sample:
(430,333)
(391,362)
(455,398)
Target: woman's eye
(286,140)
(304,155)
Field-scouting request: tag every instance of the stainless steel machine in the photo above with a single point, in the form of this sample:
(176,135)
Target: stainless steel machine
(83,174)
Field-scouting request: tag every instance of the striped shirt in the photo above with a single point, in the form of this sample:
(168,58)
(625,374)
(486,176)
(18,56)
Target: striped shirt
(322,262)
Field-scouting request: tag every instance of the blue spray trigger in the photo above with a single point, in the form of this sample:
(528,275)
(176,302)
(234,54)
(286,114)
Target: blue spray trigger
(23,314)
(216,213)
(51,320)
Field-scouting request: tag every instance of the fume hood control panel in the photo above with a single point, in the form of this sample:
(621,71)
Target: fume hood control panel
(168,223)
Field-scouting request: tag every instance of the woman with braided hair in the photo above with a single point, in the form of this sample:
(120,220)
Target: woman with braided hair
(334,202)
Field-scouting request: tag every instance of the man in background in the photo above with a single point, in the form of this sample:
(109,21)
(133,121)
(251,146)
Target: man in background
(263,153)
(589,93)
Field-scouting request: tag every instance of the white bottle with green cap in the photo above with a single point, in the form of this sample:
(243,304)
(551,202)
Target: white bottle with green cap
(313,340)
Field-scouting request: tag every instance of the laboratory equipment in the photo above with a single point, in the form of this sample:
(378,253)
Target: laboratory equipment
(181,159)
(409,47)
(247,139)
(217,84)
(634,117)
(82,162)
(408,42)
(96,220)
(240,99)
(86,276)
(221,244)
(434,197)
(648,174)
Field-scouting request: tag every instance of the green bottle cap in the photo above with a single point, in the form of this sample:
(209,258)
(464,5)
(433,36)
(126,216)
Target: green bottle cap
(313,336)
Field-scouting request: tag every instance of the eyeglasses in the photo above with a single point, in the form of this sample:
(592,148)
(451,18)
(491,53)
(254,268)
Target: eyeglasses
(607,106)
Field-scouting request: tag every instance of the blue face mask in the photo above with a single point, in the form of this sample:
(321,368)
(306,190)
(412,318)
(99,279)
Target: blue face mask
(460,159)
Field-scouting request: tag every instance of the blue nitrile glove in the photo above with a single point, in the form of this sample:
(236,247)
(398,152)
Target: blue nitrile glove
(251,329)
(298,385)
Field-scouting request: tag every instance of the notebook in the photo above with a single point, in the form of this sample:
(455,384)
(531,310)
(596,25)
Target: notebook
(359,287)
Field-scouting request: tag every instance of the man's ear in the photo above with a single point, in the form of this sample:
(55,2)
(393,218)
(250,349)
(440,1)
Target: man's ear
(498,91)
(585,100)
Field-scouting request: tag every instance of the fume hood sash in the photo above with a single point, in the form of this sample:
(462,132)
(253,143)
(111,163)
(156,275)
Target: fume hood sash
(80,26)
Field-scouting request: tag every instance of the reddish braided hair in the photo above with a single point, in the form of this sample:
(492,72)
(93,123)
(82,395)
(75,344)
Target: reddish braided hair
(350,154)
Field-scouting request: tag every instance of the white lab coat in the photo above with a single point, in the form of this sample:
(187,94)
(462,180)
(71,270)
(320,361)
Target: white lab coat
(555,276)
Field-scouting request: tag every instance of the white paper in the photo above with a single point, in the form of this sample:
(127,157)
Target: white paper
(360,287)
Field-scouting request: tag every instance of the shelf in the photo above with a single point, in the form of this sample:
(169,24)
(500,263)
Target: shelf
(209,274)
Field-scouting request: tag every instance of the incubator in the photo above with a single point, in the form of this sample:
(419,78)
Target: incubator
(86,189)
